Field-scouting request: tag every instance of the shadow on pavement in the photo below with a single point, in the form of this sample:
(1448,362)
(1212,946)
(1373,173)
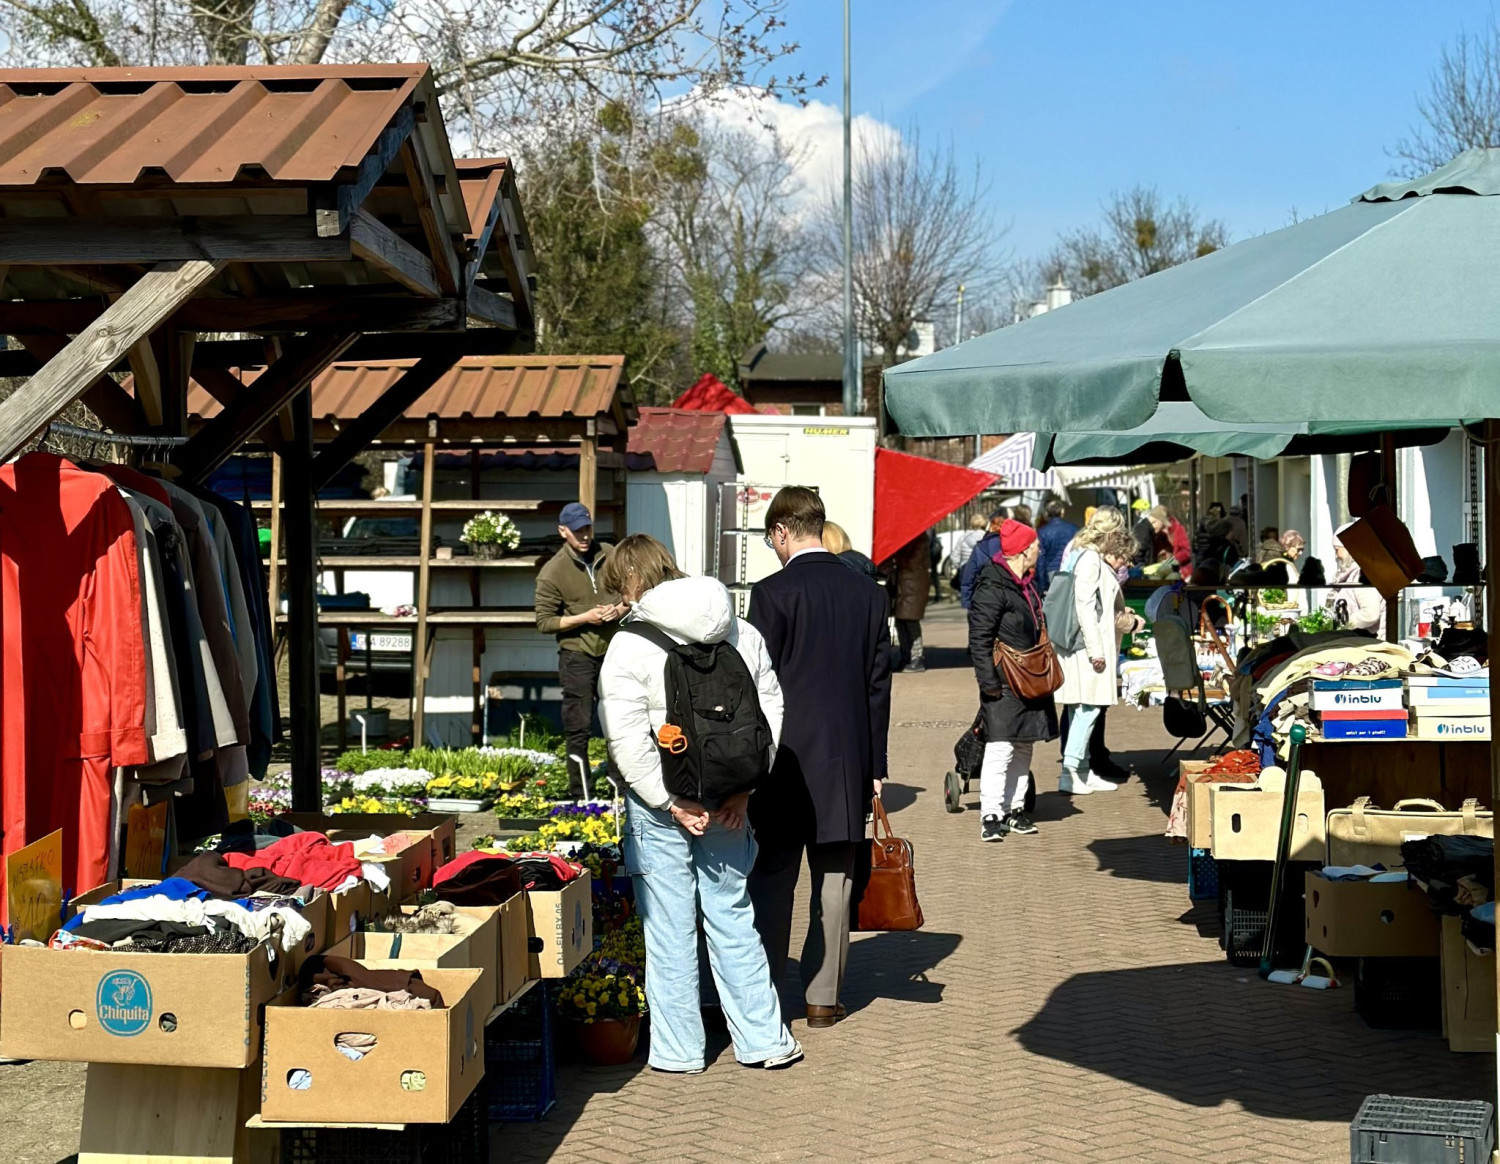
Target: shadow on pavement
(1207,1033)
(892,965)
(1151,858)
(948,659)
(895,796)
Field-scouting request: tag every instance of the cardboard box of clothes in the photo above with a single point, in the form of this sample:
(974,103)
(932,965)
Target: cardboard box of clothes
(1369,919)
(430,835)
(1247,818)
(1468,992)
(515,942)
(473,919)
(1199,819)
(422,1066)
(560,926)
(476,949)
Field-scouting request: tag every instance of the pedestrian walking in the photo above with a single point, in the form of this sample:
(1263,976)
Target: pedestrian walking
(907,572)
(825,629)
(1007,608)
(1052,535)
(1089,683)
(979,557)
(573,604)
(837,542)
(687,855)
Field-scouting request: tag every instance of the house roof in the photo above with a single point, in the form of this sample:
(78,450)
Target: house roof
(761,364)
(677,441)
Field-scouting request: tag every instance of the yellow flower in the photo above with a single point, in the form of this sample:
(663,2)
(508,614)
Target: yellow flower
(623,1000)
(592,1008)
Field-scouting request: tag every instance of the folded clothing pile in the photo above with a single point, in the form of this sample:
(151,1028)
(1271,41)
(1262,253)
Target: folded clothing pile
(176,916)
(482,878)
(1459,871)
(338,983)
(306,858)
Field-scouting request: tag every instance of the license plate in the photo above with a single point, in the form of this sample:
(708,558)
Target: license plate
(357,642)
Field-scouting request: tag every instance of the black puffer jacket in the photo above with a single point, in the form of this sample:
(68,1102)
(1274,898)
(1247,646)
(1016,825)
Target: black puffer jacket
(1000,611)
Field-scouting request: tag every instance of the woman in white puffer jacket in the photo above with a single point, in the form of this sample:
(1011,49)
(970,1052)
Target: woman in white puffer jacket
(682,855)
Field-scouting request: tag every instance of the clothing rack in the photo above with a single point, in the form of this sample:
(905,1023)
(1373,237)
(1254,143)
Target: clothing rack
(150,440)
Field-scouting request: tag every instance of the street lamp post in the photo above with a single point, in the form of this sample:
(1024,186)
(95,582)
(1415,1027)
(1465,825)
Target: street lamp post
(852,387)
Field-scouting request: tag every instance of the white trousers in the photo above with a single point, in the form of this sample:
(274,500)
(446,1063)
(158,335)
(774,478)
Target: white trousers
(1002,777)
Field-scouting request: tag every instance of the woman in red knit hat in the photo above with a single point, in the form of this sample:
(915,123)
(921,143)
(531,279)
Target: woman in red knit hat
(1007,606)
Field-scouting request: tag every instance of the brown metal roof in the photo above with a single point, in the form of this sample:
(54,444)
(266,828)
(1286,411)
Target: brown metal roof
(195,125)
(678,441)
(478,388)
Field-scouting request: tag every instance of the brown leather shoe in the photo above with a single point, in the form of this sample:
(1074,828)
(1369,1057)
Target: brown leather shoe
(825,1016)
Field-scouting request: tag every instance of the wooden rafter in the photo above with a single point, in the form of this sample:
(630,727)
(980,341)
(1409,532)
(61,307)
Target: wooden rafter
(430,212)
(380,246)
(95,242)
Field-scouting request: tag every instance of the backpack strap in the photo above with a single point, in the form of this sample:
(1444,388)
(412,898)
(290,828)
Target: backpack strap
(652,634)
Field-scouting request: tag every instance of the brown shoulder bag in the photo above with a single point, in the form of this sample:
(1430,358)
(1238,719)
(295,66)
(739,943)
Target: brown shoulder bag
(886,892)
(1032,673)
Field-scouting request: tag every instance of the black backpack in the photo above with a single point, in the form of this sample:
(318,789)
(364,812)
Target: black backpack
(713,704)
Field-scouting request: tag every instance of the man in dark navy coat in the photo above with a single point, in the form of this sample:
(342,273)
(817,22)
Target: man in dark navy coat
(826,628)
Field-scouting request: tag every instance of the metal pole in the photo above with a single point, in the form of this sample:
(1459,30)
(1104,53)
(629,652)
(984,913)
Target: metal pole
(852,392)
(958,330)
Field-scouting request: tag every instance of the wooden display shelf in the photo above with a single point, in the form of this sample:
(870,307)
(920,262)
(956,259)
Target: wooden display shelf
(255,1121)
(363,618)
(361,505)
(373,562)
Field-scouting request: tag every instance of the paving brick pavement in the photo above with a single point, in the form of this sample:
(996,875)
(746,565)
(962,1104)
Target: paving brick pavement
(1062,1003)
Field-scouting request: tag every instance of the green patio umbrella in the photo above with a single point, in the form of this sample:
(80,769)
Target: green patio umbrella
(1383,313)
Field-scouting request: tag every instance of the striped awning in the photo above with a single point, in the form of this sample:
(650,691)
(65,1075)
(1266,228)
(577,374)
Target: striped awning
(1010,460)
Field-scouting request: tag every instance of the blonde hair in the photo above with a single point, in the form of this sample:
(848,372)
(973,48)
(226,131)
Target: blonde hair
(835,540)
(642,558)
(1106,534)
(979,521)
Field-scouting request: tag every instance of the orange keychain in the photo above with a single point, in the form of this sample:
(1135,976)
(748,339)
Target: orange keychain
(670,736)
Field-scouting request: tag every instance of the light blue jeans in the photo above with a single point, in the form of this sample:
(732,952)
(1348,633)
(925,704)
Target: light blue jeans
(1081,720)
(676,873)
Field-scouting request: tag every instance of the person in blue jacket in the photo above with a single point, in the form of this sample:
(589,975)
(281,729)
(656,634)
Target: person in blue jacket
(1053,535)
(982,555)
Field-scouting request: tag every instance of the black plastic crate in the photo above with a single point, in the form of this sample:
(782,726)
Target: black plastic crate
(1392,1129)
(1399,994)
(1244,932)
(1203,876)
(520,1060)
(464,1140)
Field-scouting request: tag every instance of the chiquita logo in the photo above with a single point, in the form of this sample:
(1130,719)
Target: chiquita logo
(124,1003)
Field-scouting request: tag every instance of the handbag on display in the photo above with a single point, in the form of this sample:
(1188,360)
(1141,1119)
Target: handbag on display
(1183,718)
(1384,549)
(886,892)
(1366,834)
(1032,673)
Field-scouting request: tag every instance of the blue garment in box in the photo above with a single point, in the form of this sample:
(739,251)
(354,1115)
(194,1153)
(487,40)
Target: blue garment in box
(1364,729)
(1356,684)
(173,888)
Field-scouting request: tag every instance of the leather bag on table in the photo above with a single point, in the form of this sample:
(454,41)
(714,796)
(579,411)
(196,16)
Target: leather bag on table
(886,892)
(1366,834)
(1384,549)
(1032,673)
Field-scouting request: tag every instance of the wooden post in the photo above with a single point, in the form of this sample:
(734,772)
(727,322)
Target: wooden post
(341,678)
(424,592)
(302,609)
(273,585)
(130,318)
(1491,453)
(476,632)
(588,469)
(1388,479)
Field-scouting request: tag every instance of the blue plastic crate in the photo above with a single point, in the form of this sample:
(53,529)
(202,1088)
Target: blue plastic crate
(520,1061)
(1203,876)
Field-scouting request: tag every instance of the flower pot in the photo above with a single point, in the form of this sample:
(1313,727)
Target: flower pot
(609,1042)
(485,550)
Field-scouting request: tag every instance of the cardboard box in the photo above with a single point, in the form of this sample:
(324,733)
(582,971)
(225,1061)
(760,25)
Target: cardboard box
(1366,714)
(319,915)
(515,957)
(1471,694)
(1364,919)
(174,1010)
(1377,695)
(1469,707)
(348,912)
(1468,992)
(446,1046)
(559,927)
(476,949)
(1247,818)
(411,870)
(1452,727)
(1363,729)
(1199,821)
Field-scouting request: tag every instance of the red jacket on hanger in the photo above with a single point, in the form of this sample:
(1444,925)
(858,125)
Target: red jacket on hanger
(73,685)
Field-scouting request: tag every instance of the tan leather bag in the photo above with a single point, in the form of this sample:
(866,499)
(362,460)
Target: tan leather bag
(885,891)
(1030,674)
(1366,834)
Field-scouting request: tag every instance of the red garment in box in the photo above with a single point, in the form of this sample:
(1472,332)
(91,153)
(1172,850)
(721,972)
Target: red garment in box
(73,685)
(1368,713)
(308,858)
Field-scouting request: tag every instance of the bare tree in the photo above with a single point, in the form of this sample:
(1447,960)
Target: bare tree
(921,227)
(1462,108)
(502,63)
(1140,234)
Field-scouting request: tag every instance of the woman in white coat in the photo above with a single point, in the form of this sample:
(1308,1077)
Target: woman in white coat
(686,856)
(1089,684)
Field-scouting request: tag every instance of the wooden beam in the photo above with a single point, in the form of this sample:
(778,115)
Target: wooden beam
(97,242)
(484,341)
(380,246)
(301,536)
(273,567)
(368,426)
(424,594)
(147,376)
(484,305)
(149,302)
(430,212)
(349,198)
(104,397)
(588,471)
(305,357)
(513,255)
(293,312)
(175,356)
(227,388)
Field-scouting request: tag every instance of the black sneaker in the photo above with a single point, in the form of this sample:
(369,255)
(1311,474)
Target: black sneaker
(1019,822)
(992,828)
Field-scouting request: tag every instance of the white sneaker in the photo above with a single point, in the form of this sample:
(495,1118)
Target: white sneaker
(1070,783)
(785,1059)
(1097,783)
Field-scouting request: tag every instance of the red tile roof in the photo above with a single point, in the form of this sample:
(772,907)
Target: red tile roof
(677,440)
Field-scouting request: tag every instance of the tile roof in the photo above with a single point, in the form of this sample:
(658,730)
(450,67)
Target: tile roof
(677,440)
(195,125)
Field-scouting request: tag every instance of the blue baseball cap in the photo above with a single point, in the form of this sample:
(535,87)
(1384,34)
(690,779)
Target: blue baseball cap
(575,516)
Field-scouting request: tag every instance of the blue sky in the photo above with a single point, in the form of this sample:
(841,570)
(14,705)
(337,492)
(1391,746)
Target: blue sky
(1248,110)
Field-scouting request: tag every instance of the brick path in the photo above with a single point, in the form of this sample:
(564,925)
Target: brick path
(1060,1004)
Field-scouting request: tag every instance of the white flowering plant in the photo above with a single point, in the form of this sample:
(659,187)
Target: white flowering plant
(490,528)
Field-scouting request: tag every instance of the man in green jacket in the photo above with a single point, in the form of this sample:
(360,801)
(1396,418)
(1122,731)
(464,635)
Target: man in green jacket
(571,605)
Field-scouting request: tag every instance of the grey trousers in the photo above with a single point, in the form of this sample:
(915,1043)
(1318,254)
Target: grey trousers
(773,886)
